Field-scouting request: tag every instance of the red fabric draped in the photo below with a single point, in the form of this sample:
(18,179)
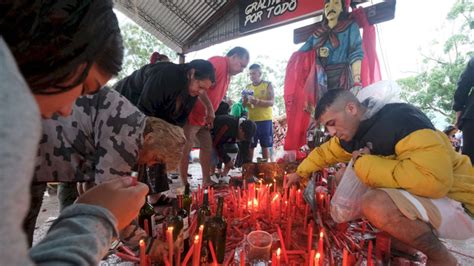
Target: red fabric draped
(299,82)
(297,95)
(370,69)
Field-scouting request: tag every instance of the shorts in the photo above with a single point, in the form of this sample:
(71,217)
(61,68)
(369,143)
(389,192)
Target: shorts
(447,216)
(263,134)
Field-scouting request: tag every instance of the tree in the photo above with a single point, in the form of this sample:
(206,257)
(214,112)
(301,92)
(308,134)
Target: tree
(139,45)
(432,90)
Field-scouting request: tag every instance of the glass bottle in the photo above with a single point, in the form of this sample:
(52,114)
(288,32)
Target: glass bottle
(217,231)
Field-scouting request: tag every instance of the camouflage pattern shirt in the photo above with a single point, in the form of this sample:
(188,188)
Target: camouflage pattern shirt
(98,142)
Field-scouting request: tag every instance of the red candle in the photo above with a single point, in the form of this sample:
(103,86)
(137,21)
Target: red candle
(317,260)
(197,251)
(369,255)
(278,257)
(321,245)
(288,231)
(345,254)
(146,227)
(305,220)
(274,259)
(274,185)
(169,237)
(310,239)
(282,242)
(143,259)
(242,258)
(311,258)
(298,198)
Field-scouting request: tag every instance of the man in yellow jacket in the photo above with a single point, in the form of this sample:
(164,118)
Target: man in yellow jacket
(421,188)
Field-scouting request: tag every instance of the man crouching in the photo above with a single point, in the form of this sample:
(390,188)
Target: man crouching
(421,188)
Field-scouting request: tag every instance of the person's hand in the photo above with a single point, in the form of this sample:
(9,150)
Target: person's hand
(123,197)
(253,100)
(229,165)
(210,119)
(292,179)
(356,154)
(339,173)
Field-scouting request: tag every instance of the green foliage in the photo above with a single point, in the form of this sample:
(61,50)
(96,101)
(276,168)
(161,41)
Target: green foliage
(139,45)
(432,90)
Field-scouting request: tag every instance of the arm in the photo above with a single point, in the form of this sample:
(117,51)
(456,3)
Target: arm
(422,166)
(208,105)
(81,235)
(328,153)
(265,103)
(219,140)
(355,52)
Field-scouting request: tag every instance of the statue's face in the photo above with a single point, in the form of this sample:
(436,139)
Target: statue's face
(332,9)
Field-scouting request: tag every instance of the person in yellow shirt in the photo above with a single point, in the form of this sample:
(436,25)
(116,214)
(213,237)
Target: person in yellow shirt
(421,189)
(260,110)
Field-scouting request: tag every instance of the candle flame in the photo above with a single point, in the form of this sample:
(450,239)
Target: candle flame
(299,190)
(142,242)
(278,252)
(201,227)
(321,234)
(170,228)
(274,180)
(317,256)
(196,238)
(321,196)
(275,198)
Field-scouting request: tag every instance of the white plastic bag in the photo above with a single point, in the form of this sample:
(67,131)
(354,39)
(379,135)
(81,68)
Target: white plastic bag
(346,202)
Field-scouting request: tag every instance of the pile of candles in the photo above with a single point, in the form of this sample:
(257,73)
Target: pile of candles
(305,238)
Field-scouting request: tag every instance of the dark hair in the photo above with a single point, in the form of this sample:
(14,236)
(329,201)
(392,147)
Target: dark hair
(255,66)
(52,39)
(249,128)
(203,69)
(239,51)
(329,98)
(344,13)
(449,129)
(157,57)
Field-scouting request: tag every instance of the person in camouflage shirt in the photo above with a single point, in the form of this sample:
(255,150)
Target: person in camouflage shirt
(104,137)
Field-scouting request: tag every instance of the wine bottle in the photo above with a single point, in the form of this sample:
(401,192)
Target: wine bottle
(185,216)
(147,213)
(154,177)
(204,211)
(187,199)
(217,231)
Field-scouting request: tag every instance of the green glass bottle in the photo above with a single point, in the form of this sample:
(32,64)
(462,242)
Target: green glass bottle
(217,231)
(204,211)
(147,213)
(185,216)
(187,199)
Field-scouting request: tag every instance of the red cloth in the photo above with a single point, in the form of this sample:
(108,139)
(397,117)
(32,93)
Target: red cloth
(370,68)
(299,68)
(299,82)
(216,93)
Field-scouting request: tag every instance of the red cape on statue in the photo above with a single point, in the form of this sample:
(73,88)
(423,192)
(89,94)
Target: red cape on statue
(300,73)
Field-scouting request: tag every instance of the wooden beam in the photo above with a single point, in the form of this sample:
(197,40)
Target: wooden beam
(377,13)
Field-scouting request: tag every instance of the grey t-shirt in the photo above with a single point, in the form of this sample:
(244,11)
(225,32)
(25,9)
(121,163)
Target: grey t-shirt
(99,141)
(82,233)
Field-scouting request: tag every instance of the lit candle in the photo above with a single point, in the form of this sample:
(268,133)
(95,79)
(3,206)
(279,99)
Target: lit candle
(321,244)
(169,237)
(298,198)
(200,233)
(317,259)
(274,185)
(242,258)
(274,259)
(143,259)
(197,251)
(282,243)
(278,256)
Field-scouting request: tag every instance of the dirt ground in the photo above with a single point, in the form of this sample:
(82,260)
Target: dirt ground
(463,250)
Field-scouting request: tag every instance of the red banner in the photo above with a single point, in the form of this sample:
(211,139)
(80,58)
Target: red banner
(256,14)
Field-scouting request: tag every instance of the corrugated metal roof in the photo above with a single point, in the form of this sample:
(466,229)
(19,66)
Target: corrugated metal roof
(178,24)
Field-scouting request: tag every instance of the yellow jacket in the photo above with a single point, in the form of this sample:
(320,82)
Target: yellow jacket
(424,164)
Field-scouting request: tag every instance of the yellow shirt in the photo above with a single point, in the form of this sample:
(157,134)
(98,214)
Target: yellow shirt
(260,92)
